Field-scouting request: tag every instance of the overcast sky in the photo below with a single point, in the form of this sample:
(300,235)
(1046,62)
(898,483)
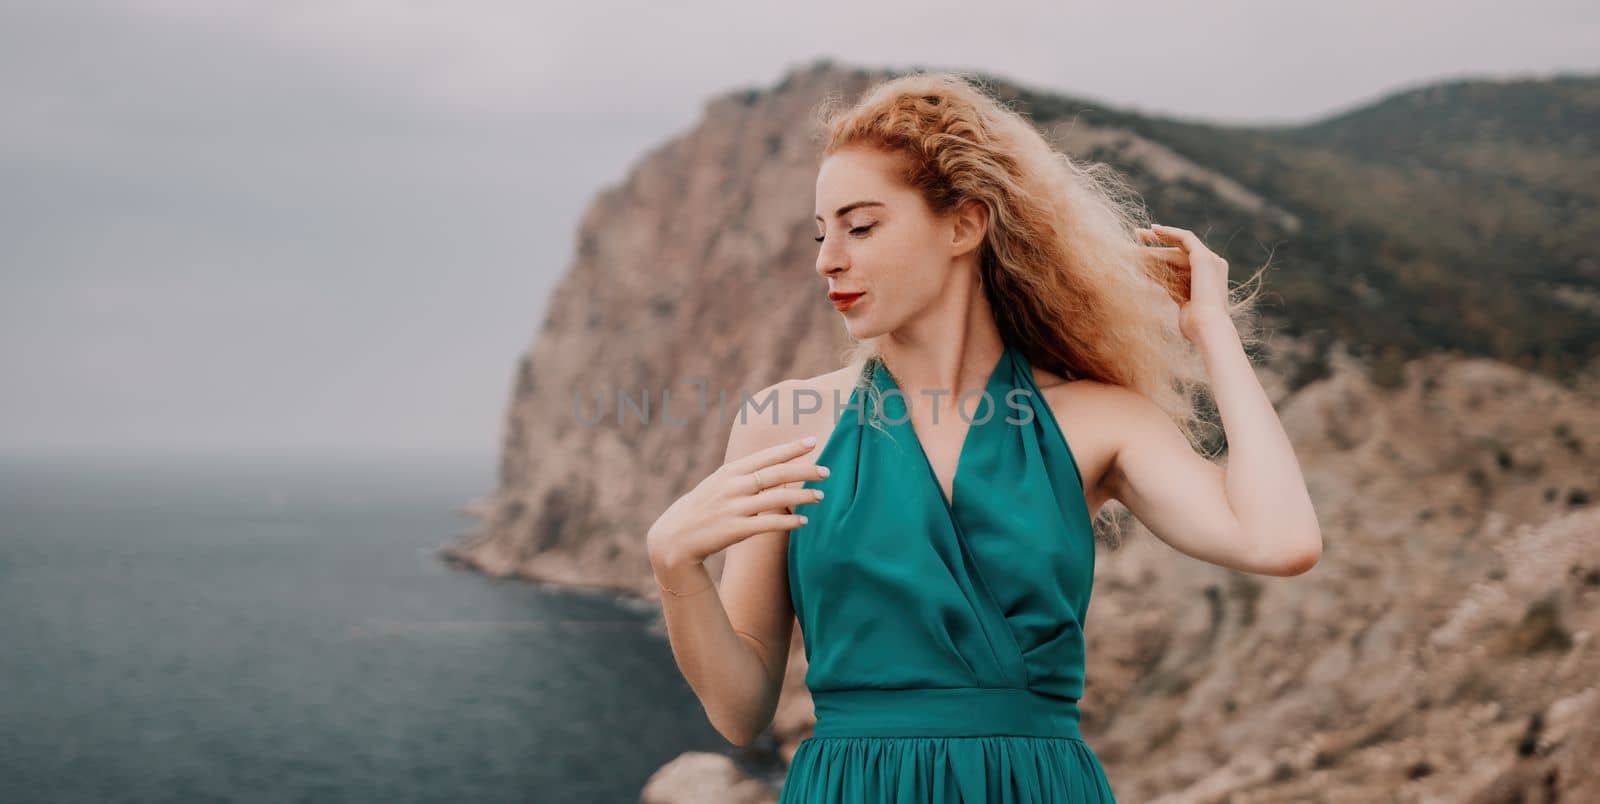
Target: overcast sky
(315,225)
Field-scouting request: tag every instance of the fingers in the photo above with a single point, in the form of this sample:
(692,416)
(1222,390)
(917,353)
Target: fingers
(1191,248)
(770,467)
(1176,257)
(761,480)
(1161,248)
(1173,256)
(1190,241)
(789,472)
(771,455)
(730,530)
(767,522)
(775,499)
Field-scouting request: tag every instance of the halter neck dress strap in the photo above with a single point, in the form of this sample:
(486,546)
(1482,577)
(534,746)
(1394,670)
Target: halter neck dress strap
(944,636)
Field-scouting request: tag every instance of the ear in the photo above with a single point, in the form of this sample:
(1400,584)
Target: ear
(968,226)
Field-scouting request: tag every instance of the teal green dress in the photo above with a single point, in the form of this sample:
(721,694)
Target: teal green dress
(945,637)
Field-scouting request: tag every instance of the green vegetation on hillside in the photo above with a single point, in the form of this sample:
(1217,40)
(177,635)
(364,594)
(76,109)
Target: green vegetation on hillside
(1456,217)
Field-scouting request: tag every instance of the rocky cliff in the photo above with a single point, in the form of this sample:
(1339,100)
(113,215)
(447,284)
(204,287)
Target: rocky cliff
(658,305)
(1439,652)
(1442,650)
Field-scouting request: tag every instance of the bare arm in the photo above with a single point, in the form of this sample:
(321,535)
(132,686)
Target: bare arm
(732,643)
(1255,515)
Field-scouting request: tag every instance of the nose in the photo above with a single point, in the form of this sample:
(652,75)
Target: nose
(830,262)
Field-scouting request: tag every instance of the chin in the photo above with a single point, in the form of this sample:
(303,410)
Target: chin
(862,330)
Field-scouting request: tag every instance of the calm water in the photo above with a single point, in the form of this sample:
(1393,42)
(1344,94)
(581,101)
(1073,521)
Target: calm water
(279,630)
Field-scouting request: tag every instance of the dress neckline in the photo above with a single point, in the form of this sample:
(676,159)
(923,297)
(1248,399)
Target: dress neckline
(975,420)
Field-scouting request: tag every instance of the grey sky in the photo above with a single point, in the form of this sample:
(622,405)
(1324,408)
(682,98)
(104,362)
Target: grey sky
(302,226)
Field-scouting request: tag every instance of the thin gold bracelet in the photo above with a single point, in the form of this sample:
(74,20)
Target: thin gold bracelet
(664,588)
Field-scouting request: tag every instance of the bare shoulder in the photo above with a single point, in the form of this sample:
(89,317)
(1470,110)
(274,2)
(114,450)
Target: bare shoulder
(818,401)
(1093,416)
(840,379)
(1107,396)
(790,409)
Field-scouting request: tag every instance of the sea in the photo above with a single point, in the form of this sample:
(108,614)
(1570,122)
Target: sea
(246,628)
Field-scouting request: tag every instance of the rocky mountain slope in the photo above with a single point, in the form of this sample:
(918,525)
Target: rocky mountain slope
(1442,649)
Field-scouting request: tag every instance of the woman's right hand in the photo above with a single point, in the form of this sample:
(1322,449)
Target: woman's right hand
(736,501)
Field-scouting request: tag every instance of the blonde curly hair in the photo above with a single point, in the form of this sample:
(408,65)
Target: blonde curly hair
(1070,283)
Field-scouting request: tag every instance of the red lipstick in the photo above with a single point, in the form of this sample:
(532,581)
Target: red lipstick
(842,301)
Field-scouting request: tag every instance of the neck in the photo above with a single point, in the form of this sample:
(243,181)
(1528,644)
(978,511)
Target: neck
(950,347)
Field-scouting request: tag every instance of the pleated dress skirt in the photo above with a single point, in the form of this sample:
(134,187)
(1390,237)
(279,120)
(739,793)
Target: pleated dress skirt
(944,746)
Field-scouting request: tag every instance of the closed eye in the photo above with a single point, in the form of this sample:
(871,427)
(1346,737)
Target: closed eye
(858,231)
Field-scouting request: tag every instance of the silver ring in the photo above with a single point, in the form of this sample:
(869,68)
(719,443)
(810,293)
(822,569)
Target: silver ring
(759,485)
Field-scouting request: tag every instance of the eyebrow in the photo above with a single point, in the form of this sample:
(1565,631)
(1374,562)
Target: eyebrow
(847,207)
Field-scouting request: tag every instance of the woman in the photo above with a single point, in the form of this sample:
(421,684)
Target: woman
(941,565)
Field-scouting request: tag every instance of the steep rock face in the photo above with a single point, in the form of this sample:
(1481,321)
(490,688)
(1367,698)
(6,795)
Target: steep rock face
(699,267)
(1442,650)
(1448,624)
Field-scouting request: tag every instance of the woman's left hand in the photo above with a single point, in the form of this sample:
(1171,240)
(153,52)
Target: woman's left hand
(1207,297)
